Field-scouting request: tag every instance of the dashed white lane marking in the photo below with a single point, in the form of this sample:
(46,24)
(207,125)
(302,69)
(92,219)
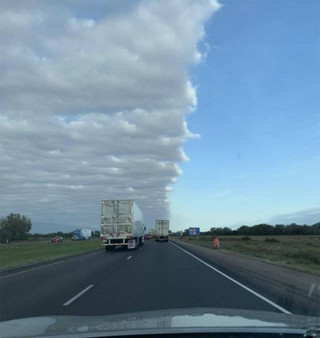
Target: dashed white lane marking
(236,282)
(39,267)
(78,295)
(129,257)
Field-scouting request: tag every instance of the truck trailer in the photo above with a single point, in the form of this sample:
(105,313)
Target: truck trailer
(121,224)
(162,230)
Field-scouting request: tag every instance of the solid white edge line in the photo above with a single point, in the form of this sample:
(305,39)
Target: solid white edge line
(236,282)
(129,257)
(78,295)
(24,271)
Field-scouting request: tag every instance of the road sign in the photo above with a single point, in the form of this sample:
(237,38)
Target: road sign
(194,231)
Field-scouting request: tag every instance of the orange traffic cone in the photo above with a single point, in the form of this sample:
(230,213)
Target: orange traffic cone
(216,243)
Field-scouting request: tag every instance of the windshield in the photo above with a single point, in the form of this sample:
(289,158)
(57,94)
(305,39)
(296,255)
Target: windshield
(159,155)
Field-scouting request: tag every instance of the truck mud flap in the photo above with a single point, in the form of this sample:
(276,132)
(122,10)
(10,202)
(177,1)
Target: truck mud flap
(132,244)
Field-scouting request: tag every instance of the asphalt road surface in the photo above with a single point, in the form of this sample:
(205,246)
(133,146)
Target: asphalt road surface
(158,275)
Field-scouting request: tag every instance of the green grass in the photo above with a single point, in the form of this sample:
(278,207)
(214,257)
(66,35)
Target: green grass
(29,252)
(299,252)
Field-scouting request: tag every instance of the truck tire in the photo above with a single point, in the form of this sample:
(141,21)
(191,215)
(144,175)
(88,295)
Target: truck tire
(141,241)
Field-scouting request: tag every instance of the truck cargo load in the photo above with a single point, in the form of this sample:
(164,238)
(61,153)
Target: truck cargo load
(121,224)
(162,230)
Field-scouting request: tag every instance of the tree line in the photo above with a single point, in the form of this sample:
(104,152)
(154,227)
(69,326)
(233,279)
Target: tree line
(267,230)
(16,227)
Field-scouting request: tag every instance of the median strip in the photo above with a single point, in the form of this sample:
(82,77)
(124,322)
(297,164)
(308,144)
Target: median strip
(78,295)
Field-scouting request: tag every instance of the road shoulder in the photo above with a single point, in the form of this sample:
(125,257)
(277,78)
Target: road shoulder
(288,288)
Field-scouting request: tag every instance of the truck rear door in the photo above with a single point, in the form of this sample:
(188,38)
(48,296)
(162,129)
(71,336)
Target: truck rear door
(125,217)
(108,221)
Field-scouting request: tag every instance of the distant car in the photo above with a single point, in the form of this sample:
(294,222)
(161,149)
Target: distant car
(147,236)
(56,239)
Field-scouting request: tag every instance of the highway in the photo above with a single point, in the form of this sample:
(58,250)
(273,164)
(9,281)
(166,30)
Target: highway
(154,276)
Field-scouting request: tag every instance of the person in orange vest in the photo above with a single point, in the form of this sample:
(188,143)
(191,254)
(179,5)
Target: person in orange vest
(216,243)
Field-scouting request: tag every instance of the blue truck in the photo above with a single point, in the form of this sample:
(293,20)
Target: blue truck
(81,234)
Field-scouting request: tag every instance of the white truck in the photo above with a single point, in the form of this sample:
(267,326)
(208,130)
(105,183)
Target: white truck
(121,224)
(81,234)
(162,230)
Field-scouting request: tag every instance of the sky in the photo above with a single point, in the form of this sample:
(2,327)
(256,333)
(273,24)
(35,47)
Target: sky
(204,112)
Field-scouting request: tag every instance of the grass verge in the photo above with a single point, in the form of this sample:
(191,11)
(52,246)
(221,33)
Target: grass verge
(18,254)
(297,252)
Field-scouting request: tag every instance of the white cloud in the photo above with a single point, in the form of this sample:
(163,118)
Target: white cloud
(94,99)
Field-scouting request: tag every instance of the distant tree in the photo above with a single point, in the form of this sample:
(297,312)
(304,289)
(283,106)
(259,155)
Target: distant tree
(243,230)
(261,229)
(186,232)
(279,229)
(226,231)
(316,228)
(14,227)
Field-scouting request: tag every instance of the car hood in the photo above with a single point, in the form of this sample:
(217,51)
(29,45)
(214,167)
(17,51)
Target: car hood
(161,321)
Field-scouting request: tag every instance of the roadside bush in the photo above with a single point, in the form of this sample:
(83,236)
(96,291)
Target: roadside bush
(246,238)
(308,255)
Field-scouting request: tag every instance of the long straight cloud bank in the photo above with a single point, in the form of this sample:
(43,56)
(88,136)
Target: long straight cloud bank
(94,99)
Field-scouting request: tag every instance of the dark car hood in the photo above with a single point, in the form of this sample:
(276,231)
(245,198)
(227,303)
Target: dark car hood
(161,321)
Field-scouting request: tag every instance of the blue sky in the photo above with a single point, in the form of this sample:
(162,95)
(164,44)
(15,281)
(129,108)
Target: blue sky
(258,117)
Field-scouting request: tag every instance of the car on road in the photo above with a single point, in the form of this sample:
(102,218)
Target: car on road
(147,236)
(57,239)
